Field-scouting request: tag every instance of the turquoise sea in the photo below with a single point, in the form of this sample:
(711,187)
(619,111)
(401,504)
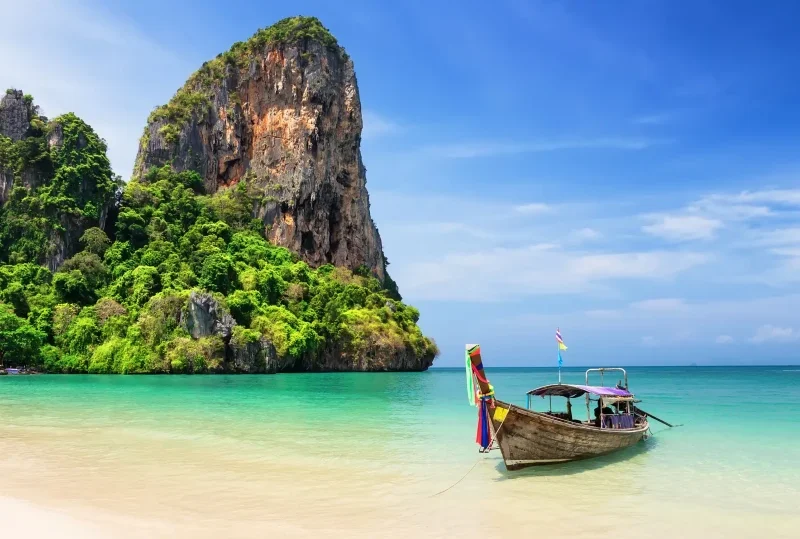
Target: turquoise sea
(366,454)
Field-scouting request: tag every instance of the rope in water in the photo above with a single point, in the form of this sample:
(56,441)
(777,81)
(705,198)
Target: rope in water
(475,463)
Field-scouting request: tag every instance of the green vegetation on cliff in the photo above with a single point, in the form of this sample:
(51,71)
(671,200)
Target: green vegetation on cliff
(194,96)
(62,180)
(180,282)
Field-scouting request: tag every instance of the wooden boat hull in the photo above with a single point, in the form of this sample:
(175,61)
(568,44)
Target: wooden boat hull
(529,438)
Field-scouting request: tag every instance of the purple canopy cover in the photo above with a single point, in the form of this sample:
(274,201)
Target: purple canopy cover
(570,390)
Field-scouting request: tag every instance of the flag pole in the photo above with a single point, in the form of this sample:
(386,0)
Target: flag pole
(559,346)
(558,350)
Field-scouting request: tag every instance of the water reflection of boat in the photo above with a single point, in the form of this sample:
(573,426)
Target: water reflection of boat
(527,437)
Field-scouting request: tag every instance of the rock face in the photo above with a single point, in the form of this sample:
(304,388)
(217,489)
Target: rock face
(255,357)
(15,121)
(15,116)
(375,358)
(203,317)
(281,111)
(63,158)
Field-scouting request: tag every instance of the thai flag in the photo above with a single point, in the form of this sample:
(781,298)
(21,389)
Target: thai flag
(561,345)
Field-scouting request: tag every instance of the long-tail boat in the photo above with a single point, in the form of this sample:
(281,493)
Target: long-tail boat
(529,438)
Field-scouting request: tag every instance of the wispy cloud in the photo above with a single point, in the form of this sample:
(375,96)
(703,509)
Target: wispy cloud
(533,208)
(781,236)
(540,269)
(729,320)
(89,61)
(770,333)
(376,125)
(771,196)
(683,227)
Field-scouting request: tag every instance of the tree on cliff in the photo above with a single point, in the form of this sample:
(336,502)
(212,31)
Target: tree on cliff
(58,182)
(20,342)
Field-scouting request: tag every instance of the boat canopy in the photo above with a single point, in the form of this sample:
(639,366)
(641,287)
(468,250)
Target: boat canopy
(571,391)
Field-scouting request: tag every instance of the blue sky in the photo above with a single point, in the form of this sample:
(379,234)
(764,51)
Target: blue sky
(629,174)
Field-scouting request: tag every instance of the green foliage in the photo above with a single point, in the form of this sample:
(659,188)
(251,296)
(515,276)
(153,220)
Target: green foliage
(243,305)
(124,356)
(186,355)
(81,334)
(95,241)
(217,273)
(20,342)
(56,187)
(90,266)
(159,319)
(178,111)
(122,306)
(290,335)
(72,286)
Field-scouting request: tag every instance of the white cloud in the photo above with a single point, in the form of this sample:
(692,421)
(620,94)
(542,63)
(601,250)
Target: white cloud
(728,211)
(637,265)
(683,227)
(786,251)
(770,333)
(540,269)
(376,126)
(533,208)
(701,324)
(781,236)
(767,196)
(87,60)
(468,150)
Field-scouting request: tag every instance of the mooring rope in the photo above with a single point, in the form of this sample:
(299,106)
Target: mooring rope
(494,439)
(457,482)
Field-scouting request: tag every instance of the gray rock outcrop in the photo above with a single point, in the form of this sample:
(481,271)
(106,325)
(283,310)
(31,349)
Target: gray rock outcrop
(15,115)
(203,316)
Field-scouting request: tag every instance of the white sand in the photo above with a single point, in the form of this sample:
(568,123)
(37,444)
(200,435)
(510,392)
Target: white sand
(80,483)
(22,519)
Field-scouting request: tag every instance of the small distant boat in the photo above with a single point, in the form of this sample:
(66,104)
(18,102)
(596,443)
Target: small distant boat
(529,438)
(17,371)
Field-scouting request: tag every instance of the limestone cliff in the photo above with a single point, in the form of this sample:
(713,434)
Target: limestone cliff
(16,114)
(55,183)
(281,111)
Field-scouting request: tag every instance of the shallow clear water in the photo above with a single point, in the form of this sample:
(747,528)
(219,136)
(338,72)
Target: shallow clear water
(320,453)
